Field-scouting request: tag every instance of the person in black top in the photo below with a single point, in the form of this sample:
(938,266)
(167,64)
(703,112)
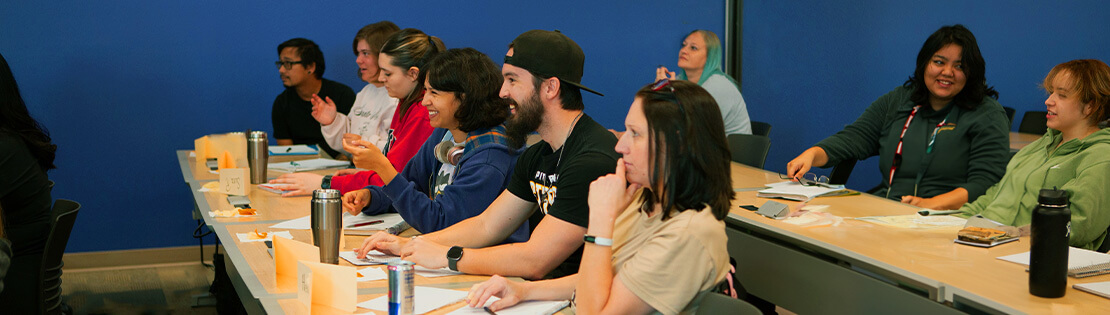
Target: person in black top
(301,66)
(26,153)
(542,70)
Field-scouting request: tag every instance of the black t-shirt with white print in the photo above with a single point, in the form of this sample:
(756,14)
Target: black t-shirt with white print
(561,188)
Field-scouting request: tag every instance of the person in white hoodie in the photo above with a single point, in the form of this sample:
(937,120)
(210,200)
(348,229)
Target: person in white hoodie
(373,109)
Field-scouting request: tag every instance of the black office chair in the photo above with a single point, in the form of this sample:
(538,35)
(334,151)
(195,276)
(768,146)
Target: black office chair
(65,214)
(750,150)
(841,171)
(761,129)
(1010,111)
(1105,247)
(716,303)
(1033,122)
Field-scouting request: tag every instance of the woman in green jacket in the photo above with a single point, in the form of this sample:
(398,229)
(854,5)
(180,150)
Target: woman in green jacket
(1073,155)
(942,138)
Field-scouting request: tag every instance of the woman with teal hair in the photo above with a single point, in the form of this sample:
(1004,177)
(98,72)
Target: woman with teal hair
(699,61)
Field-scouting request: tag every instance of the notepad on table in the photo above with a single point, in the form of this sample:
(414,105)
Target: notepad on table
(1081,262)
(425,299)
(307,165)
(798,192)
(297,149)
(522,308)
(1097,288)
(372,258)
(392,223)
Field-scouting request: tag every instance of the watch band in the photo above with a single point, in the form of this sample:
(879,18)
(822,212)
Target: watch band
(326,183)
(453,256)
(598,240)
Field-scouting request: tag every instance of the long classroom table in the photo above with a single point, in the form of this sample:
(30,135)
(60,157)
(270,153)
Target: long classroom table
(864,268)
(250,266)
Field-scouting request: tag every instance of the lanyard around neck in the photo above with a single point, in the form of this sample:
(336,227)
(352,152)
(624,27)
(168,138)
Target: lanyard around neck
(928,150)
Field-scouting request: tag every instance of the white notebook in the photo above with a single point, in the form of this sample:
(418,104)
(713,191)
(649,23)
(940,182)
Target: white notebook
(1097,288)
(307,165)
(1081,262)
(798,192)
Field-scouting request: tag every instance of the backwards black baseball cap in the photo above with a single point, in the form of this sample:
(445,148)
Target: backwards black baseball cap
(549,54)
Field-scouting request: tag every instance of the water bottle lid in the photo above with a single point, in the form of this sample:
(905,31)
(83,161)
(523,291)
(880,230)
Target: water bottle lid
(258,135)
(325,194)
(1053,197)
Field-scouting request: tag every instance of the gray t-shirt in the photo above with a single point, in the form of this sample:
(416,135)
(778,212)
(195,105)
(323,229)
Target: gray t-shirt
(733,109)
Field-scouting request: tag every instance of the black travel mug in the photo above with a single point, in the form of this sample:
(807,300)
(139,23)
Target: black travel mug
(1048,255)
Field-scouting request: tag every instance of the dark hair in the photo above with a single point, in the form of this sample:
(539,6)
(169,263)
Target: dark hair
(693,166)
(974,67)
(476,81)
(374,35)
(1090,82)
(309,52)
(15,119)
(412,48)
(569,95)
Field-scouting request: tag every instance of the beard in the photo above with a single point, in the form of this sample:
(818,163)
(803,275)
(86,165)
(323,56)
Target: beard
(526,120)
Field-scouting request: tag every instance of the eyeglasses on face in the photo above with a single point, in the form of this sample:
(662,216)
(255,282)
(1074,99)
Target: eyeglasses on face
(287,64)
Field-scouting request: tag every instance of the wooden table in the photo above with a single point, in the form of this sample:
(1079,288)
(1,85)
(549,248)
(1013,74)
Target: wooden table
(1020,140)
(860,267)
(187,162)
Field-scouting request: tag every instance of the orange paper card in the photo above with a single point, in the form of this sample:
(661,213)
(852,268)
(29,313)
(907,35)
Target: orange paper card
(286,254)
(325,288)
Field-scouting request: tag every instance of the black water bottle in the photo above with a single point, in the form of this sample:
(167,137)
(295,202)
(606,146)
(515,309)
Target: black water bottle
(1048,255)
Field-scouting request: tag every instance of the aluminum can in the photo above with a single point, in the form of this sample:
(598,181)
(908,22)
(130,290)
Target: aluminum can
(401,287)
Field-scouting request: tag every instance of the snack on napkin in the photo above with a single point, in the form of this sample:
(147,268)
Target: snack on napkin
(246,211)
(258,235)
(980,235)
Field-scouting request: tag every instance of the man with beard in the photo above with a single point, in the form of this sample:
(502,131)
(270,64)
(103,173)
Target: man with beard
(301,65)
(549,185)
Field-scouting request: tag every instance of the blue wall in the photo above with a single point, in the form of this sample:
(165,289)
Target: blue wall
(812,67)
(122,84)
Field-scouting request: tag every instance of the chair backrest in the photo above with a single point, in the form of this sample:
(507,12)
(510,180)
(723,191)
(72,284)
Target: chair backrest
(750,150)
(65,214)
(760,128)
(1105,247)
(716,303)
(1033,122)
(841,171)
(1010,111)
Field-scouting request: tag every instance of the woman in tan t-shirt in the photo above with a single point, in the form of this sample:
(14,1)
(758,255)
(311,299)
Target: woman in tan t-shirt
(645,252)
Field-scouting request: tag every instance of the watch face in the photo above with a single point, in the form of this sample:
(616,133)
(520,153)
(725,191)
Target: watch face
(455,253)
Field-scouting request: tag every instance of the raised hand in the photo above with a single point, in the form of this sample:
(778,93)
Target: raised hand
(323,110)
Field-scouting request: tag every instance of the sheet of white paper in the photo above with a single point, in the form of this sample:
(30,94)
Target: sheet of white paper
(304,223)
(1077,258)
(192,154)
(307,165)
(371,274)
(246,237)
(425,299)
(432,273)
(291,149)
(522,308)
(372,258)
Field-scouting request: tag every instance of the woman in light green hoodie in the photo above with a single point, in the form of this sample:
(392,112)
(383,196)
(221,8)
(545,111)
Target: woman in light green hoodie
(1074,155)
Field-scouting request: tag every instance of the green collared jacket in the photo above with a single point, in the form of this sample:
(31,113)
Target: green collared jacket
(1080,166)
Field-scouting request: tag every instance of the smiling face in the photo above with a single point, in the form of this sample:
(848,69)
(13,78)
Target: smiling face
(692,54)
(1065,111)
(398,82)
(525,105)
(635,146)
(298,73)
(441,107)
(944,75)
(367,62)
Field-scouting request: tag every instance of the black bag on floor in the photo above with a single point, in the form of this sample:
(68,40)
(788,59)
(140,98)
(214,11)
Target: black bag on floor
(227,301)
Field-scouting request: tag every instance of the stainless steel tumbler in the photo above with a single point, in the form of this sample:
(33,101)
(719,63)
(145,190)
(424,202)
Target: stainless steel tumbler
(258,154)
(327,223)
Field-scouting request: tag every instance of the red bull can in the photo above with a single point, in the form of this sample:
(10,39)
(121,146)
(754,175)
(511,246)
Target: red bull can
(401,287)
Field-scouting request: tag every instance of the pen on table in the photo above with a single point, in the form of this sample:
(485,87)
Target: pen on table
(927,212)
(489,311)
(288,150)
(365,223)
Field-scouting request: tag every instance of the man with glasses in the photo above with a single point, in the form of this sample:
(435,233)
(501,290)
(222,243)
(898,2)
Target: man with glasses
(301,65)
(550,183)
